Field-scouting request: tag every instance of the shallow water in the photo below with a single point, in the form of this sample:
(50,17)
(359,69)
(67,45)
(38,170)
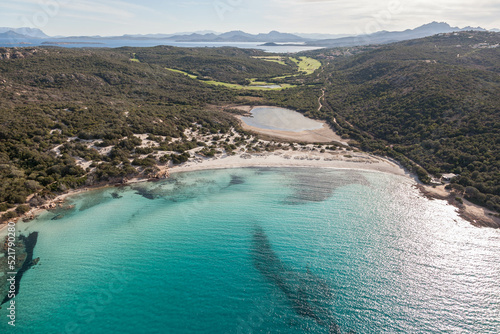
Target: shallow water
(260,251)
(273,118)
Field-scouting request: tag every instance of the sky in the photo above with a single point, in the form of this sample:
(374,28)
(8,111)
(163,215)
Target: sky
(118,17)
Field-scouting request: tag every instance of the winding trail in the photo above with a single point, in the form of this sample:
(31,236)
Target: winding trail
(321,98)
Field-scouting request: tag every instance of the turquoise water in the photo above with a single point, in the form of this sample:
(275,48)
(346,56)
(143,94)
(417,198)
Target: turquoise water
(260,251)
(274,118)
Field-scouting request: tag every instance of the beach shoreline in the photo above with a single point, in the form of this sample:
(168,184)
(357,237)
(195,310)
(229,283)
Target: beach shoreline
(277,159)
(288,159)
(477,215)
(291,159)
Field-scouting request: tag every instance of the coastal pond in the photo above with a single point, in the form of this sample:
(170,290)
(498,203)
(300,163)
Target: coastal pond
(274,118)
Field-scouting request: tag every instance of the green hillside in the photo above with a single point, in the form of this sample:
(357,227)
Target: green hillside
(50,95)
(226,64)
(435,101)
(433,104)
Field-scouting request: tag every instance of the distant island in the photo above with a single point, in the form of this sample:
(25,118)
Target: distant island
(69,43)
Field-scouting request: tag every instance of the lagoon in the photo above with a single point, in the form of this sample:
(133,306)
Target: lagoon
(274,118)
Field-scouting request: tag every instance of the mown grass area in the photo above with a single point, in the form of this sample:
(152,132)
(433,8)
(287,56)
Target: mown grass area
(182,72)
(306,65)
(254,84)
(432,111)
(250,87)
(276,59)
(134,58)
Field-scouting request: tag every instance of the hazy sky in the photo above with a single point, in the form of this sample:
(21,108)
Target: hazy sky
(117,17)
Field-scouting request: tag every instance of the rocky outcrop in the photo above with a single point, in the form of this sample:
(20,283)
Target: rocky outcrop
(17,53)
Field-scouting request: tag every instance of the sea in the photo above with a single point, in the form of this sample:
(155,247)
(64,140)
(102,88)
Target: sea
(117,43)
(259,250)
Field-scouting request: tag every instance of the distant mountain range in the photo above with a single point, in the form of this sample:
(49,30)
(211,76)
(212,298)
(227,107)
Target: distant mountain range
(385,37)
(23,32)
(321,36)
(240,36)
(11,35)
(228,37)
(162,36)
(19,35)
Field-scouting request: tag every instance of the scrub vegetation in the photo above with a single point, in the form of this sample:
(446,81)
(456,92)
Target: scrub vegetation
(71,118)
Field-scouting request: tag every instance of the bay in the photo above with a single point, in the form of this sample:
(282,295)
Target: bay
(260,251)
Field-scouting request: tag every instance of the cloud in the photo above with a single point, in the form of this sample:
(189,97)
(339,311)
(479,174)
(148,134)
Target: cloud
(323,16)
(98,9)
(112,8)
(334,16)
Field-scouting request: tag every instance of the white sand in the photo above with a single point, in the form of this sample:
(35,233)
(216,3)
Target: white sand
(283,158)
(280,158)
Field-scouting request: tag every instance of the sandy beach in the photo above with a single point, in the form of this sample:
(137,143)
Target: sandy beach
(280,158)
(477,215)
(289,158)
